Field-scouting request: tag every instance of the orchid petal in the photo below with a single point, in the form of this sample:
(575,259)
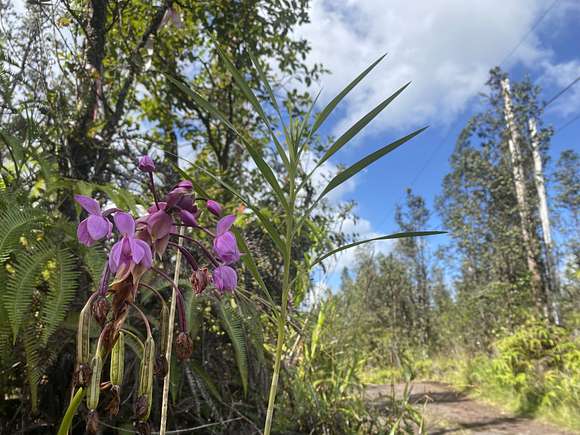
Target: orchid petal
(147,255)
(224,224)
(83,234)
(115,255)
(97,226)
(137,252)
(89,204)
(125,223)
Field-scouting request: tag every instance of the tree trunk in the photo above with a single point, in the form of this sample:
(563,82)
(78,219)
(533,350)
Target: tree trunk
(521,196)
(545,220)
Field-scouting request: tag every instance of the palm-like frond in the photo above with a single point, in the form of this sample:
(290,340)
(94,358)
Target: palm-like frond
(234,327)
(22,283)
(13,223)
(62,286)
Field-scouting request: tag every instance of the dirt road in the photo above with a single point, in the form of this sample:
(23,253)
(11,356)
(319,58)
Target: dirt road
(451,412)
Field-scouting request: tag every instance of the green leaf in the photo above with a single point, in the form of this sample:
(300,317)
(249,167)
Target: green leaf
(331,106)
(22,283)
(366,161)
(250,263)
(202,374)
(13,223)
(233,325)
(264,168)
(254,101)
(14,146)
(390,236)
(358,126)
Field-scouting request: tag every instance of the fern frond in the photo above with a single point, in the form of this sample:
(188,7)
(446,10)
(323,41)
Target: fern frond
(254,328)
(13,223)
(95,258)
(21,284)
(234,327)
(62,286)
(33,365)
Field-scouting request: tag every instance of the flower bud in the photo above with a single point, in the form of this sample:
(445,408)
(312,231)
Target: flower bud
(100,308)
(183,346)
(199,280)
(146,164)
(214,207)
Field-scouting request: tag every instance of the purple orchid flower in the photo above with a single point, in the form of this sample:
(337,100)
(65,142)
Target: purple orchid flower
(146,164)
(214,207)
(225,279)
(224,244)
(96,226)
(128,251)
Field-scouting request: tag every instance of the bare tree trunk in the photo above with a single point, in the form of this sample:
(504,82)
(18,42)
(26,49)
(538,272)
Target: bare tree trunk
(545,220)
(521,196)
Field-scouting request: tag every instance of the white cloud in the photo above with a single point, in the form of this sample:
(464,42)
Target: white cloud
(445,47)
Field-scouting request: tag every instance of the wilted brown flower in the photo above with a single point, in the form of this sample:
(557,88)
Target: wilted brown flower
(199,280)
(183,346)
(100,308)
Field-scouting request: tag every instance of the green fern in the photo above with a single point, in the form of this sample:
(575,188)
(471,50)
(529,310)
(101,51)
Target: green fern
(95,258)
(33,364)
(62,286)
(13,223)
(21,284)
(233,325)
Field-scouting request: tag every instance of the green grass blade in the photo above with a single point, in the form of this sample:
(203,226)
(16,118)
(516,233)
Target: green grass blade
(366,161)
(250,263)
(253,101)
(263,167)
(388,237)
(358,126)
(331,106)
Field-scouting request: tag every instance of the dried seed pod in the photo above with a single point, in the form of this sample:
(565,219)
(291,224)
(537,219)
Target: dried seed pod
(92,427)
(183,346)
(95,385)
(145,390)
(82,374)
(114,404)
(84,335)
(117,368)
(100,308)
(164,329)
(161,366)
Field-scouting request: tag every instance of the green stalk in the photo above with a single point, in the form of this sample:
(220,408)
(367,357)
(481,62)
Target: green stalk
(70,412)
(284,308)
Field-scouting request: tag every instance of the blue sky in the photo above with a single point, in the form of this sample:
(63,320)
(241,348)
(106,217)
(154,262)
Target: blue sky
(446,48)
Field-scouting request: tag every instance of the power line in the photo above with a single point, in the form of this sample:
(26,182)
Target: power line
(566,124)
(451,130)
(562,92)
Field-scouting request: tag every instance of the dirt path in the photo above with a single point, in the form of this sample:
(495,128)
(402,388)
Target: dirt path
(451,412)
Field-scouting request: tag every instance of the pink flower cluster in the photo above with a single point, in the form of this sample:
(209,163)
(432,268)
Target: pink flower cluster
(139,240)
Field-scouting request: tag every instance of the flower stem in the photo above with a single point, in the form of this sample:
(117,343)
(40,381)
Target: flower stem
(282,319)
(165,400)
(70,412)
